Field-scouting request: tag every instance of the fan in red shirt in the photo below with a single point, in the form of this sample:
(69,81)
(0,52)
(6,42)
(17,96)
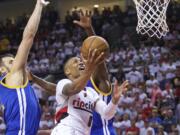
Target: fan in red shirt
(133,129)
(147,109)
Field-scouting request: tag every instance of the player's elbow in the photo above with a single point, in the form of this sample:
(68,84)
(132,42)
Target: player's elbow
(28,35)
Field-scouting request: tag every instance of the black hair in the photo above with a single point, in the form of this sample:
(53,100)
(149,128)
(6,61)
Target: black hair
(65,61)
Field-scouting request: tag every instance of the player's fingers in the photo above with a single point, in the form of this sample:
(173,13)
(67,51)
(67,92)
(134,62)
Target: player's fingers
(100,58)
(115,82)
(81,13)
(116,85)
(125,83)
(88,13)
(94,54)
(45,3)
(90,54)
(125,86)
(125,89)
(82,58)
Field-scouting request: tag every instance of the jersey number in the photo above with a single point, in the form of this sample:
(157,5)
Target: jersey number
(90,121)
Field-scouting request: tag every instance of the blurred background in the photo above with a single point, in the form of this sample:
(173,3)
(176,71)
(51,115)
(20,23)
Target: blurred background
(152,65)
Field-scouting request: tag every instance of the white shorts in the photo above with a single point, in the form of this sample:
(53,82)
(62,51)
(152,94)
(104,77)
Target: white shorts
(61,129)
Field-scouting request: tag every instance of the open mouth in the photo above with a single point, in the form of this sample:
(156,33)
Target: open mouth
(82,67)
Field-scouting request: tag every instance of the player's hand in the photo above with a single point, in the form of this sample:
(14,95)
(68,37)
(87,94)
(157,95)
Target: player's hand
(94,59)
(85,21)
(118,90)
(43,2)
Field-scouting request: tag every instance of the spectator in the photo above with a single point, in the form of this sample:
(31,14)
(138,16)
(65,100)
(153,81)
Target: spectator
(168,121)
(133,129)
(147,130)
(140,122)
(156,91)
(123,125)
(134,76)
(161,131)
(155,120)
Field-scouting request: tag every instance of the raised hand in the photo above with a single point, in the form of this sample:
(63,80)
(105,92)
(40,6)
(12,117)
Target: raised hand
(85,21)
(118,90)
(94,59)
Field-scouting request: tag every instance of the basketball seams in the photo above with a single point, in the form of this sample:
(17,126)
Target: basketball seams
(101,45)
(94,42)
(86,50)
(94,38)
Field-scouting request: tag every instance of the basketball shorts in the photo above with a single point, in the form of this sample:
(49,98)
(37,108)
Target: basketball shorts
(66,130)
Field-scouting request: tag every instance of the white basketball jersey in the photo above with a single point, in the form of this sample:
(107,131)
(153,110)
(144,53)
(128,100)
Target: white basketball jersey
(80,107)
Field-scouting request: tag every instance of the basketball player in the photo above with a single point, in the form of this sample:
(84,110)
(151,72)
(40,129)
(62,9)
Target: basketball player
(20,106)
(99,81)
(82,100)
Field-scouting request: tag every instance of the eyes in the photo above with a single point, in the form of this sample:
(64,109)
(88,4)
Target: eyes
(77,60)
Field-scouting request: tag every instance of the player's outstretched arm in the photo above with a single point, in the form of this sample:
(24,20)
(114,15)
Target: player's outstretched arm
(28,37)
(79,84)
(108,111)
(101,76)
(18,74)
(48,86)
(101,73)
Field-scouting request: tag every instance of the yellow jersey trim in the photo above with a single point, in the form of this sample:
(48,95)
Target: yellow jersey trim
(98,90)
(13,87)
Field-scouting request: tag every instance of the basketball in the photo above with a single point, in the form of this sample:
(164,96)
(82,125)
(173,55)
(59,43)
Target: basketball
(94,42)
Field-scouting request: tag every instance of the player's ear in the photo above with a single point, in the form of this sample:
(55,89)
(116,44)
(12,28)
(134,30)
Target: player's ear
(67,71)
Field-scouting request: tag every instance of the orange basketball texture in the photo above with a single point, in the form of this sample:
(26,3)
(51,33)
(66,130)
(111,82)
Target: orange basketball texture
(94,42)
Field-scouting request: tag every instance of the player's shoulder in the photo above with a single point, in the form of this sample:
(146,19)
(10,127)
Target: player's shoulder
(62,81)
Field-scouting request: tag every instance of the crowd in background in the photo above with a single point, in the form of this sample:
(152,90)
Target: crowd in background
(152,104)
